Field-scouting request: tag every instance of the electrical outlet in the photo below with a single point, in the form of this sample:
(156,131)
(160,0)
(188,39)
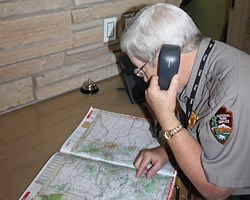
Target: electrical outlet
(109,31)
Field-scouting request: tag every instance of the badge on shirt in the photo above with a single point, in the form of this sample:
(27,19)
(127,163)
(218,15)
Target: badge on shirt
(192,119)
(221,125)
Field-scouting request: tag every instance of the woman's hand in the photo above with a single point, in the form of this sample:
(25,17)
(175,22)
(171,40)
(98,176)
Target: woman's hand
(163,102)
(157,157)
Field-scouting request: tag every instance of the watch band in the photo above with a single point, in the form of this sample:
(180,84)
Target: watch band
(169,134)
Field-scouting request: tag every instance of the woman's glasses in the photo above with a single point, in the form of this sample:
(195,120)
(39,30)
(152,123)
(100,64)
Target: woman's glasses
(139,71)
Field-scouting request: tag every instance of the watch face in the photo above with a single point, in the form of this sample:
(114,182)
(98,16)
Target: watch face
(167,135)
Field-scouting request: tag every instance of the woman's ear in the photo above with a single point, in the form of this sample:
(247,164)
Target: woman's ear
(155,60)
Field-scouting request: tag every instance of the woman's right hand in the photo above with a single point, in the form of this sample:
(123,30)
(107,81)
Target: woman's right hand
(156,157)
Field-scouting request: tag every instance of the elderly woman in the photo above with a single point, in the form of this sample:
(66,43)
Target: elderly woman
(212,87)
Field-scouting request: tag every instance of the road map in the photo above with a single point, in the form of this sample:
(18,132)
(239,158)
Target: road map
(112,137)
(96,163)
(76,178)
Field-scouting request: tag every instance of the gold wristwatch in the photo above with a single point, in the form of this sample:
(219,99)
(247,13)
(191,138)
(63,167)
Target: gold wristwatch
(168,134)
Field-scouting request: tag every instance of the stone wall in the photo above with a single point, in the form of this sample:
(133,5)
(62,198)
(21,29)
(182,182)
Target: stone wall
(50,47)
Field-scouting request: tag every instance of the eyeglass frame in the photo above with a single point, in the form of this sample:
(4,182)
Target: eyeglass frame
(139,71)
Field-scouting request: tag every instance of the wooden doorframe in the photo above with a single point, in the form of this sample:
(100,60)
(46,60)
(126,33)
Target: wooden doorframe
(237,23)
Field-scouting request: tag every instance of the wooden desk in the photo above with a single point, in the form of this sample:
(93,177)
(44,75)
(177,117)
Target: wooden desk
(29,136)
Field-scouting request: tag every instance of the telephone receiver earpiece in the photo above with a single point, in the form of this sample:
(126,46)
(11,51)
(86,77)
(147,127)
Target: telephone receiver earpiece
(168,65)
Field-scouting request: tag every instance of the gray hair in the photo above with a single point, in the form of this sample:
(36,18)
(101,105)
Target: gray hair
(156,25)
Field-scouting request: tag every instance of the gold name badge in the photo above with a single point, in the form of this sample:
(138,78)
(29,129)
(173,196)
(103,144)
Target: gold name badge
(192,119)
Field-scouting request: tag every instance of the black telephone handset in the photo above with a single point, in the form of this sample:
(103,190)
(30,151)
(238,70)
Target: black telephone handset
(169,61)
(168,66)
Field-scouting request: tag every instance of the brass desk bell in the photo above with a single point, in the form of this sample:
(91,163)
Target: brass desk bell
(89,87)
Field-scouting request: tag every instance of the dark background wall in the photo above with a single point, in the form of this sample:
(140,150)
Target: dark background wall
(211,16)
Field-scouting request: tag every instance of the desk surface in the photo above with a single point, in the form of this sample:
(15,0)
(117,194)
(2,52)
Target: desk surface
(29,136)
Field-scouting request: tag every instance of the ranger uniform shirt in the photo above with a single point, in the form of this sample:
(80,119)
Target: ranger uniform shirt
(222,103)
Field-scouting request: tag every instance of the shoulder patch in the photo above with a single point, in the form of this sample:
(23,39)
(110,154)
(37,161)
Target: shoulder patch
(221,125)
